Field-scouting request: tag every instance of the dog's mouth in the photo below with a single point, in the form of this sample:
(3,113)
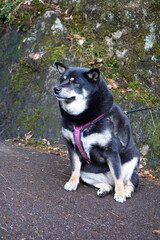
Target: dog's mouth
(67,100)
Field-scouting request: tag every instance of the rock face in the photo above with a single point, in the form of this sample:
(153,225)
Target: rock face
(28,76)
(119,37)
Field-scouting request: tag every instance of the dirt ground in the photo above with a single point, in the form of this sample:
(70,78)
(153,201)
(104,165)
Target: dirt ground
(34,205)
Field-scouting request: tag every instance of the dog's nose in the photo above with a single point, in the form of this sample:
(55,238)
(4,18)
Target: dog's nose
(57,90)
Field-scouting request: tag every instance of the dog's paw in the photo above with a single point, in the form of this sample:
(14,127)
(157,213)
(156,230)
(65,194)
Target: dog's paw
(127,194)
(128,189)
(119,199)
(70,186)
(102,192)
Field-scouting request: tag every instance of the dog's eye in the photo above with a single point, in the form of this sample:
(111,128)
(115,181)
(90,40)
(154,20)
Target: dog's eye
(63,79)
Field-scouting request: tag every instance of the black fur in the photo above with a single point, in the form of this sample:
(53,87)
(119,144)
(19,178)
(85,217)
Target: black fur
(99,100)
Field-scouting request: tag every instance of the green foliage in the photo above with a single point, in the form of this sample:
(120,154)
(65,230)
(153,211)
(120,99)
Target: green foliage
(39,5)
(6,9)
(134,85)
(22,15)
(28,118)
(154,140)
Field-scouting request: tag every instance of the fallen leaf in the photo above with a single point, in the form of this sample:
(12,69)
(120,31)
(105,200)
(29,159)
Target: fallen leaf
(81,42)
(69,38)
(28,135)
(78,37)
(66,18)
(91,62)
(124,90)
(109,86)
(97,60)
(112,83)
(66,12)
(141,166)
(56,149)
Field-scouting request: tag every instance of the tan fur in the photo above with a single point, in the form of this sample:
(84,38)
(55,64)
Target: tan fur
(73,182)
(119,185)
(72,79)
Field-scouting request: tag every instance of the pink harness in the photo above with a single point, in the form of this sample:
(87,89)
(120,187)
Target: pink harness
(77,136)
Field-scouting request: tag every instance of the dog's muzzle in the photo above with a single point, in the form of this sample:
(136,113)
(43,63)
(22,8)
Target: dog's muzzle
(57,90)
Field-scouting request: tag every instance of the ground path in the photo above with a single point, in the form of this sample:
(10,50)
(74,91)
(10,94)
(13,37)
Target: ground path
(34,205)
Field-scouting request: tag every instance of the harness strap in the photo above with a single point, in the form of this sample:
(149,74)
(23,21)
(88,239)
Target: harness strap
(77,136)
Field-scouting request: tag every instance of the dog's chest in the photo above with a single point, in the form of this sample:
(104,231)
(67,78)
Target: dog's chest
(89,139)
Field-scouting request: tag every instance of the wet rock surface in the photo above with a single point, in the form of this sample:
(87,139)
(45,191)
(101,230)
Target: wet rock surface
(34,205)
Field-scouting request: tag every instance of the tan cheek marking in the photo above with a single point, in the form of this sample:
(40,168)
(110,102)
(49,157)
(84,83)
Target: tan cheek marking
(69,91)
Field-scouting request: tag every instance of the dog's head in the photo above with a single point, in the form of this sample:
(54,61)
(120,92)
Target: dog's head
(77,86)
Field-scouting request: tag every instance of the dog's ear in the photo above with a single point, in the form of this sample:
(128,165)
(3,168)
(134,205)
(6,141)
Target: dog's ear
(61,67)
(93,74)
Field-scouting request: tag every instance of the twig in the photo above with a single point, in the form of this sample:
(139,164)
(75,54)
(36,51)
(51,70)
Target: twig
(86,219)
(4,178)
(114,214)
(4,196)
(4,229)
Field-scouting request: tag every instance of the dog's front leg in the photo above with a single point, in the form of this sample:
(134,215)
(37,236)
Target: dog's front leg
(115,168)
(73,182)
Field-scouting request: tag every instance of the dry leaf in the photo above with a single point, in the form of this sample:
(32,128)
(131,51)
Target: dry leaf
(81,42)
(141,166)
(66,18)
(69,38)
(124,90)
(28,135)
(78,37)
(97,60)
(66,12)
(112,83)
(91,62)
(109,86)
(56,149)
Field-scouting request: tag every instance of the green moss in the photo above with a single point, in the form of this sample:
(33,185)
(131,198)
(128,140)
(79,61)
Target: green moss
(21,77)
(24,75)
(154,140)
(53,53)
(28,118)
(39,5)
(156,50)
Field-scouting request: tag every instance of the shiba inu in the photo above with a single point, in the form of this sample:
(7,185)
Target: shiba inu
(97,133)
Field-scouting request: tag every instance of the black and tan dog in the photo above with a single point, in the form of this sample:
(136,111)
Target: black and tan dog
(97,132)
